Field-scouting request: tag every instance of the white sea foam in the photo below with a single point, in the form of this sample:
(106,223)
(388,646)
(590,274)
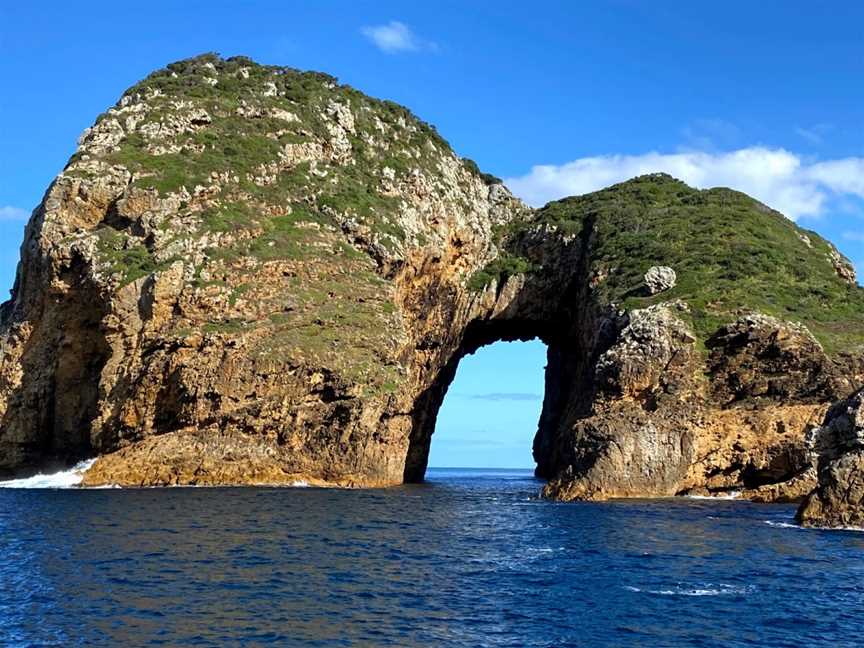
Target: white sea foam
(731,495)
(63,479)
(709,589)
(790,525)
(300,484)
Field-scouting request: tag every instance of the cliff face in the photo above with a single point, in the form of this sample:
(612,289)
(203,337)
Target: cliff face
(249,274)
(837,447)
(219,285)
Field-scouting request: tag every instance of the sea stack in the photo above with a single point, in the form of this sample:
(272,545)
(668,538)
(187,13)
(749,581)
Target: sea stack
(249,274)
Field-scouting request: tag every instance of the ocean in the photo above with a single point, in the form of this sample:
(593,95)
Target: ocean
(470,558)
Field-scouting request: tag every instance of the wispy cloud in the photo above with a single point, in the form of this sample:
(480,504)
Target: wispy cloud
(781,179)
(814,134)
(9,213)
(710,135)
(396,37)
(504,396)
(487,439)
(854,236)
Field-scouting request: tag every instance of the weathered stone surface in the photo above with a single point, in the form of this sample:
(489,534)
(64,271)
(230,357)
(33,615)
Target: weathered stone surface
(838,449)
(638,437)
(756,452)
(758,357)
(196,307)
(660,278)
(657,426)
(844,268)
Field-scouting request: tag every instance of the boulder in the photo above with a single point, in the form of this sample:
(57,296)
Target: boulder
(660,278)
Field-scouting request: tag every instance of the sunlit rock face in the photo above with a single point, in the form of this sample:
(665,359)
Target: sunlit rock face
(838,449)
(250,274)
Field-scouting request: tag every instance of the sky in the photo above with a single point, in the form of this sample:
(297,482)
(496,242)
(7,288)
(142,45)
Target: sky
(558,98)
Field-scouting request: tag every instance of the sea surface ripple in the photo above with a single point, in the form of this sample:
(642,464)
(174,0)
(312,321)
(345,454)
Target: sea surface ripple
(471,558)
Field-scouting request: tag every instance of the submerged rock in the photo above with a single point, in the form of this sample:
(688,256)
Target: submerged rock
(251,274)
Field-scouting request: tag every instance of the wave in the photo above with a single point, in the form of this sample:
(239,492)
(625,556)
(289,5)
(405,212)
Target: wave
(72,477)
(709,589)
(64,479)
(790,525)
(731,495)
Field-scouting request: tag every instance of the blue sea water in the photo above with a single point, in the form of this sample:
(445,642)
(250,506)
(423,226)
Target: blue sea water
(471,558)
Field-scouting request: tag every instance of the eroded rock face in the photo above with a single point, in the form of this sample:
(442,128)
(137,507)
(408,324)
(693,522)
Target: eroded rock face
(662,422)
(760,357)
(844,268)
(291,305)
(838,449)
(637,437)
(248,317)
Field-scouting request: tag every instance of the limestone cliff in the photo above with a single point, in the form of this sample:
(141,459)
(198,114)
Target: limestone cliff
(250,274)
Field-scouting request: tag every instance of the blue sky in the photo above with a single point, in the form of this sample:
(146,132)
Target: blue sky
(557,97)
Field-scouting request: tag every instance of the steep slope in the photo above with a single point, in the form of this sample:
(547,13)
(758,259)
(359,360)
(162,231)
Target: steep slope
(250,274)
(729,250)
(218,267)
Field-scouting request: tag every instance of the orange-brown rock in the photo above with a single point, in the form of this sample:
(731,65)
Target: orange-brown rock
(249,274)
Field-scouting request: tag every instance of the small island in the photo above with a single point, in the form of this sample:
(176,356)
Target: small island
(248,274)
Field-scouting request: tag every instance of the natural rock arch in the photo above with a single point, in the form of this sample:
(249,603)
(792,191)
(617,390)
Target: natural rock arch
(508,308)
(429,402)
(293,302)
(554,304)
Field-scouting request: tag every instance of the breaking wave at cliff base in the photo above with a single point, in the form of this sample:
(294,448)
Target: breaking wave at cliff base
(69,478)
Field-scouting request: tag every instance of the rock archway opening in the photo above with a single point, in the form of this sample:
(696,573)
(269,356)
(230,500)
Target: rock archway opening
(502,385)
(489,413)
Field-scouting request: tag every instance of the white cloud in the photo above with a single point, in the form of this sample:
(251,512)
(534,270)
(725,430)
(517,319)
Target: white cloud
(779,178)
(854,236)
(811,136)
(395,37)
(843,176)
(9,213)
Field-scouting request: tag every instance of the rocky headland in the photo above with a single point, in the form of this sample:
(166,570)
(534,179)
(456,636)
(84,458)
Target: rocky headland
(252,275)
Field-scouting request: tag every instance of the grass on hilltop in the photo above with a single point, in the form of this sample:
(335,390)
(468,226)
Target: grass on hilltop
(732,254)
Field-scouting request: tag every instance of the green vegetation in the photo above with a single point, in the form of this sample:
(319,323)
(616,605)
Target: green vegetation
(130,262)
(731,254)
(488,178)
(341,320)
(268,170)
(502,268)
(246,129)
(260,149)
